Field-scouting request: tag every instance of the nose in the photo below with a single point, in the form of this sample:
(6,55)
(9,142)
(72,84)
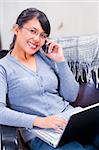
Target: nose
(36,37)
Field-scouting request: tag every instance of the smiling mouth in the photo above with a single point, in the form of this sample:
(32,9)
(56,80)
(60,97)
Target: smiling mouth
(31,45)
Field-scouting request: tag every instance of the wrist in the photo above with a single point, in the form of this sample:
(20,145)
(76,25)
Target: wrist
(38,121)
(60,59)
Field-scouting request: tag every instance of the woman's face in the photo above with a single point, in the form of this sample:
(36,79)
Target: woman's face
(30,37)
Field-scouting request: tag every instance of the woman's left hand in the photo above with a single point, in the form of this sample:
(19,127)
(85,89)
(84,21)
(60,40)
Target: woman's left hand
(55,51)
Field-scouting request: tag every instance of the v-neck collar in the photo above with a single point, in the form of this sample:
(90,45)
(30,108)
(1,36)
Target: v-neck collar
(22,65)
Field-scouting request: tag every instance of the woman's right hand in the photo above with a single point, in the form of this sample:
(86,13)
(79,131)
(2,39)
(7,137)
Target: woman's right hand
(52,122)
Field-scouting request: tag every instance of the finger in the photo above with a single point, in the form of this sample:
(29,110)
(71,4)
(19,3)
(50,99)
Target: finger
(61,120)
(54,47)
(59,129)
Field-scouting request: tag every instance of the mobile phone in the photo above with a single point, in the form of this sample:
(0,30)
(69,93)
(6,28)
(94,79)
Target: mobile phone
(45,48)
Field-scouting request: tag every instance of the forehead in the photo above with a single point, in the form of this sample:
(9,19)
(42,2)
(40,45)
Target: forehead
(34,23)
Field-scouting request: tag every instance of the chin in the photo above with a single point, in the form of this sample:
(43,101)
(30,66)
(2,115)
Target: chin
(32,52)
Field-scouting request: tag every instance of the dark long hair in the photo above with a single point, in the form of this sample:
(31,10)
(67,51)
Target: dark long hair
(29,14)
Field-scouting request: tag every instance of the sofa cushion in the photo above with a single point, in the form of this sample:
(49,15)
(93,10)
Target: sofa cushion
(88,95)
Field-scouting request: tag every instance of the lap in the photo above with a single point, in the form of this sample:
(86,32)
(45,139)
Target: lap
(96,141)
(38,144)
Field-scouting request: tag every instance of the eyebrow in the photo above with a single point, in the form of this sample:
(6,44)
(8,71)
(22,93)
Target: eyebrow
(37,29)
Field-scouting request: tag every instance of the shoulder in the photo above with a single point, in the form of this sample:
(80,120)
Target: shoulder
(4,58)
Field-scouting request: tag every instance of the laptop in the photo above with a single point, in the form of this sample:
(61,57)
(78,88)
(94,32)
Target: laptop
(83,125)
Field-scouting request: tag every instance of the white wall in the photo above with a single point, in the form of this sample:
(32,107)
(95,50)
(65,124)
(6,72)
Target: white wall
(67,17)
(98,17)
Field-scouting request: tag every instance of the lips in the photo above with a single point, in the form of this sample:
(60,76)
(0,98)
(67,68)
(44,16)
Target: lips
(31,45)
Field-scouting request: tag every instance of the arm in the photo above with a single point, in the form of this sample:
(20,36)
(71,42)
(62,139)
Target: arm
(14,118)
(8,116)
(68,87)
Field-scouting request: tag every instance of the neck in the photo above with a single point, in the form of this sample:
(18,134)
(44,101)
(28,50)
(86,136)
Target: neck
(21,55)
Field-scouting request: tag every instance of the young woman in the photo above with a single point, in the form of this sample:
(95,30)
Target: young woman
(38,85)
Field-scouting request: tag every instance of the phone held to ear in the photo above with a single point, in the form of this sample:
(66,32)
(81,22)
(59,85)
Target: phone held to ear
(45,48)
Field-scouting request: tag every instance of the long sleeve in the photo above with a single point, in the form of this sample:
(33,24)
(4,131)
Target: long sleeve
(7,115)
(68,87)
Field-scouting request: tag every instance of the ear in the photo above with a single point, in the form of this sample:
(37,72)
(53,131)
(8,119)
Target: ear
(15,29)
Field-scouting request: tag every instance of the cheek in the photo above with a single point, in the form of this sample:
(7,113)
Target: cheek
(22,37)
(19,37)
(23,40)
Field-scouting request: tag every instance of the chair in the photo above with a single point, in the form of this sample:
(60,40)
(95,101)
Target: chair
(88,95)
(0,139)
(9,139)
(3,53)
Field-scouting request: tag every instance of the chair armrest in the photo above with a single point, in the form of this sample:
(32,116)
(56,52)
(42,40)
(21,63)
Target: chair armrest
(0,139)
(8,138)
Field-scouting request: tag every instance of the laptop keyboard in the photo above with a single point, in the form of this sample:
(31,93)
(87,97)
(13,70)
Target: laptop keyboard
(52,135)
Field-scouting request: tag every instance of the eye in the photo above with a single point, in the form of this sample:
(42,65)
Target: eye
(43,35)
(33,31)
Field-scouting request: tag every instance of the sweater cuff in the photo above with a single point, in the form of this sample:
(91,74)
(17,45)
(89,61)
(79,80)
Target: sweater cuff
(28,120)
